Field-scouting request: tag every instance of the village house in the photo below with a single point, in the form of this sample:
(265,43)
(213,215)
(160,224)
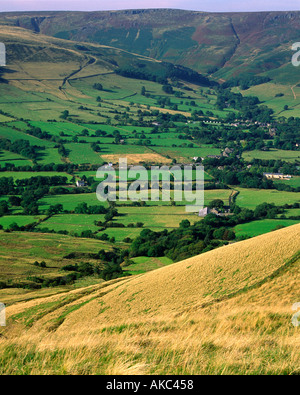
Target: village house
(227,152)
(206,210)
(80,183)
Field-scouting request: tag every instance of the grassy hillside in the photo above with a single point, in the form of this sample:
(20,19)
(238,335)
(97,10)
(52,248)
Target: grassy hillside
(230,42)
(222,46)
(19,251)
(226,311)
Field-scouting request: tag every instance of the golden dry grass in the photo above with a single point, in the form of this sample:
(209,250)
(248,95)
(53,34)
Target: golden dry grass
(134,159)
(227,311)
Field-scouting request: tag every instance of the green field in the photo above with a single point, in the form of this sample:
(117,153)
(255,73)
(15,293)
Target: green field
(151,217)
(294,212)
(14,159)
(288,156)
(185,155)
(75,223)
(122,233)
(20,220)
(257,228)
(143,264)
(294,182)
(69,202)
(55,128)
(22,175)
(13,135)
(4,118)
(82,153)
(250,198)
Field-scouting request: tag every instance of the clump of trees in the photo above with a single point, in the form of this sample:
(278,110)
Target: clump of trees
(190,240)
(245,81)
(98,86)
(21,147)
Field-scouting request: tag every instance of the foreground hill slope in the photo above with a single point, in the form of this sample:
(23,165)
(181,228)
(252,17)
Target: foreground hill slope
(225,311)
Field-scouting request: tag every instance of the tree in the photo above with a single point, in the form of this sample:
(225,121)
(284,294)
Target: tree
(55,209)
(168,89)
(217,203)
(14,227)
(108,216)
(185,224)
(98,86)
(14,200)
(3,208)
(104,237)
(64,114)
(81,208)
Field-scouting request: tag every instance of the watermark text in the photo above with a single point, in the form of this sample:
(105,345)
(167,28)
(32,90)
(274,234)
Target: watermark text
(157,184)
(296,317)
(296,56)
(2,315)
(2,55)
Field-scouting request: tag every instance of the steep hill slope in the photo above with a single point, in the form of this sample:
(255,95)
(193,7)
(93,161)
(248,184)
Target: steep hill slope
(225,311)
(221,43)
(45,64)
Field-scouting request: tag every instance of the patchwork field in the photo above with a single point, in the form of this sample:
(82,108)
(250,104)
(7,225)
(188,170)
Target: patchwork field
(70,202)
(288,156)
(74,223)
(294,182)
(14,159)
(20,220)
(257,228)
(250,198)
(135,159)
(185,155)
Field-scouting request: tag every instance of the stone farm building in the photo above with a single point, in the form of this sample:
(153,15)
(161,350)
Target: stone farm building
(80,183)
(278,176)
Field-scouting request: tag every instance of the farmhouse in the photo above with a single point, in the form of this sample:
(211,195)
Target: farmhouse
(206,210)
(227,152)
(277,176)
(80,183)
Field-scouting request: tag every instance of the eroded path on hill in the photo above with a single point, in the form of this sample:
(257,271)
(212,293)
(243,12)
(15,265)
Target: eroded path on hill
(90,60)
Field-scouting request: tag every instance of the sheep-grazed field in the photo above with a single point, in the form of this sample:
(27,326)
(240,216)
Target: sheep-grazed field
(228,311)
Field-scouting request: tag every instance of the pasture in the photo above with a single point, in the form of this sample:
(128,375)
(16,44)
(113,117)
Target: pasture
(257,228)
(250,198)
(73,223)
(273,154)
